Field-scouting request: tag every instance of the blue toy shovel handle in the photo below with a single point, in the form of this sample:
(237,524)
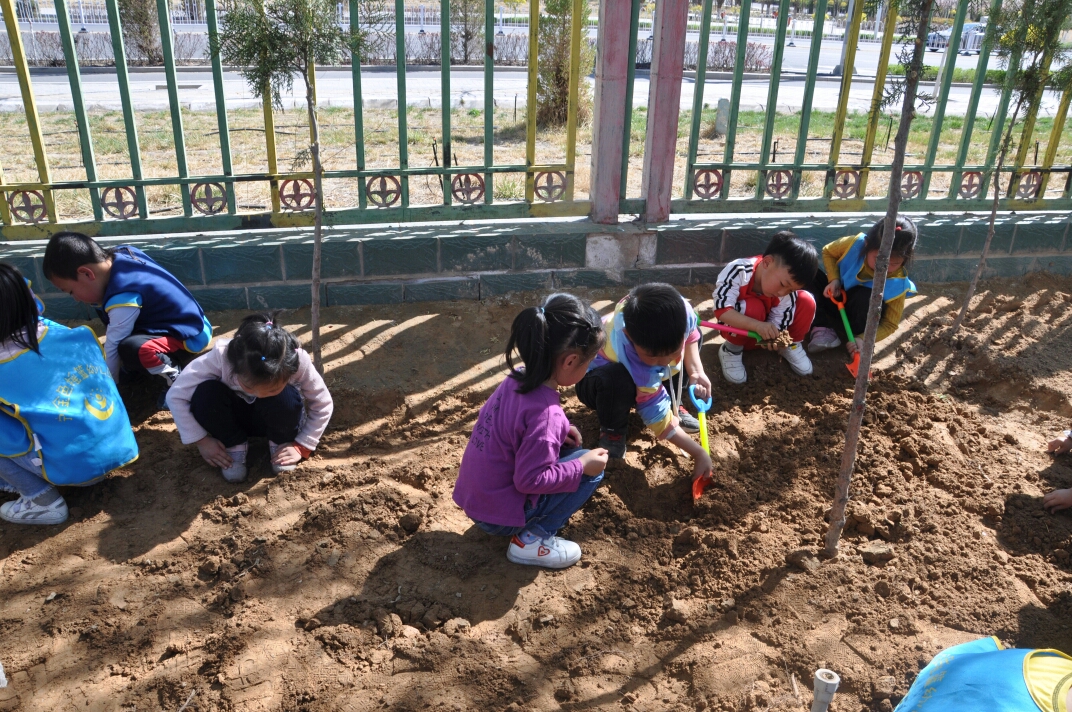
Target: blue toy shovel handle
(701,406)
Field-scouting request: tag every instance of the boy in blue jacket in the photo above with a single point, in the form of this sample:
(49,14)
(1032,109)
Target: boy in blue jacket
(148,313)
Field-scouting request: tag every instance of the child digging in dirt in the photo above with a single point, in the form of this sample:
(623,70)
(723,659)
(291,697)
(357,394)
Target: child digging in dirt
(850,269)
(767,294)
(523,473)
(258,384)
(1061,498)
(150,316)
(61,419)
(650,337)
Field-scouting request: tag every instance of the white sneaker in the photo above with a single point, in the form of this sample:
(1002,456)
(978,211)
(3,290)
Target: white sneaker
(732,365)
(553,553)
(823,338)
(26,511)
(237,471)
(798,360)
(276,469)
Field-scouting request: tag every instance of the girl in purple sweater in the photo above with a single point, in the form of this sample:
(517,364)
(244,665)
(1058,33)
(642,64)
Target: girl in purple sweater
(524,473)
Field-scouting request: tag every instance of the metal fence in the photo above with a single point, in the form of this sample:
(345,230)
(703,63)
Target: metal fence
(735,182)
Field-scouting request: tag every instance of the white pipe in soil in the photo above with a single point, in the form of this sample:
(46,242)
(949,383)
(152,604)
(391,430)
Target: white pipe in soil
(826,684)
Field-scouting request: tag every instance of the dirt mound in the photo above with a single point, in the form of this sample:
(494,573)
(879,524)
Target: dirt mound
(354,583)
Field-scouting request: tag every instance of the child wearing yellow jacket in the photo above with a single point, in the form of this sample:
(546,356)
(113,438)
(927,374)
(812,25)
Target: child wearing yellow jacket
(850,269)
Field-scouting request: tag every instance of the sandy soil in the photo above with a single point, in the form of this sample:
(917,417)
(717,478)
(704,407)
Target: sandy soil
(355,584)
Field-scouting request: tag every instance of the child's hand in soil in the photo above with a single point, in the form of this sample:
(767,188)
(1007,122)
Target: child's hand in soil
(214,452)
(573,437)
(1059,447)
(594,461)
(1057,500)
(833,289)
(767,331)
(288,454)
(702,466)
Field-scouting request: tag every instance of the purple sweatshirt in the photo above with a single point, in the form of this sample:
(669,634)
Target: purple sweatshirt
(512,456)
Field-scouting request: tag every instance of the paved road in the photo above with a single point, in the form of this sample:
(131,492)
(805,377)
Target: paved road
(423,89)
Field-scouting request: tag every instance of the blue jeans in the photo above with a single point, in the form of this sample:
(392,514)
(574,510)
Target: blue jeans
(23,475)
(551,511)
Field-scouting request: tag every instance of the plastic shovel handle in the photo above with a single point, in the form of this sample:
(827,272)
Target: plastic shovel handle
(844,318)
(731,330)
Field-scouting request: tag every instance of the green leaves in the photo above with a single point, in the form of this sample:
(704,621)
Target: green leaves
(274,40)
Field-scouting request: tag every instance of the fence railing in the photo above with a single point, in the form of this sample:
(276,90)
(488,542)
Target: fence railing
(722,163)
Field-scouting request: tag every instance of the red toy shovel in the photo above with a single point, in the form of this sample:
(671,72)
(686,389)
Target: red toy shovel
(854,367)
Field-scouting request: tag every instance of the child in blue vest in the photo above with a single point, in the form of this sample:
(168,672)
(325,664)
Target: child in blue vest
(61,419)
(149,314)
(850,268)
(985,676)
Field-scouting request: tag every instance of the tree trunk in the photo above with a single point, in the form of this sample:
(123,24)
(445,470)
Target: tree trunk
(995,177)
(318,226)
(867,345)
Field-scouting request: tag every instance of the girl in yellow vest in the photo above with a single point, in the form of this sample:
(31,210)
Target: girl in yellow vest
(61,419)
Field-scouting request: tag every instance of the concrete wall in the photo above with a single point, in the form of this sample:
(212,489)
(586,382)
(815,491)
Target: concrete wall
(382,265)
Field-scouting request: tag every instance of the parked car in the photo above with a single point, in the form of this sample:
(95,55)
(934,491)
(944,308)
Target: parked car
(971,38)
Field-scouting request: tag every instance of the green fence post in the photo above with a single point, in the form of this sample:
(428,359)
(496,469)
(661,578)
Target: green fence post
(809,95)
(998,122)
(70,57)
(634,30)
(130,126)
(943,96)
(697,96)
(853,28)
(400,78)
(573,90)
(530,103)
(444,74)
(743,21)
(359,107)
(163,10)
(876,96)
(489,99)
(221,107)
(1029,128)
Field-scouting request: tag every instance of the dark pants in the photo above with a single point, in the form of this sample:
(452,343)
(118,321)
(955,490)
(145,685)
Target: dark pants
(857,302)
(233,421)
(141,352)
(611,392)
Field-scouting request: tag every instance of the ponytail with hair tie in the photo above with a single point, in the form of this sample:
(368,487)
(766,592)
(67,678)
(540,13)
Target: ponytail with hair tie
(567,324)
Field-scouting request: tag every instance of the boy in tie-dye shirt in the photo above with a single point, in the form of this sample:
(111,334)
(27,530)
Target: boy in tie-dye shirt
(650,336)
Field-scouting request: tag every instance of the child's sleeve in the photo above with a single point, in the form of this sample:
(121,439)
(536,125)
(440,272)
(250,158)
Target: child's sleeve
(891,318)
(832,254)
(202,368)
(123,312)
(536,466)
(783,313)
(318,403)
(728,287)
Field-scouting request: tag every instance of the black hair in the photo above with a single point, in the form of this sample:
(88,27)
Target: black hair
(656,318)
(18,317)
(262,352)
(541,334)
(905,236)
(798,256)
(67,251)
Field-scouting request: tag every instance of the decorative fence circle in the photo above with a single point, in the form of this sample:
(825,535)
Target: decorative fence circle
(550,185)
(28,206)
(911,184)
(779,183)
(707,184)
(846,184)
(120,202)
(209,198)
(296,194)
(383,191)
(971,185)
(467,188)
(1030,185)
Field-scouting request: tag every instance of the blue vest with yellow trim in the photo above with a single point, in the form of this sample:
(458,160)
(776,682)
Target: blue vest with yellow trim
(973,677)
(167,307)
(851,263)
(61,407)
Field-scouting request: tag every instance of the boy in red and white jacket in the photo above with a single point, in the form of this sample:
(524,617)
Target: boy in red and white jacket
(767,294)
